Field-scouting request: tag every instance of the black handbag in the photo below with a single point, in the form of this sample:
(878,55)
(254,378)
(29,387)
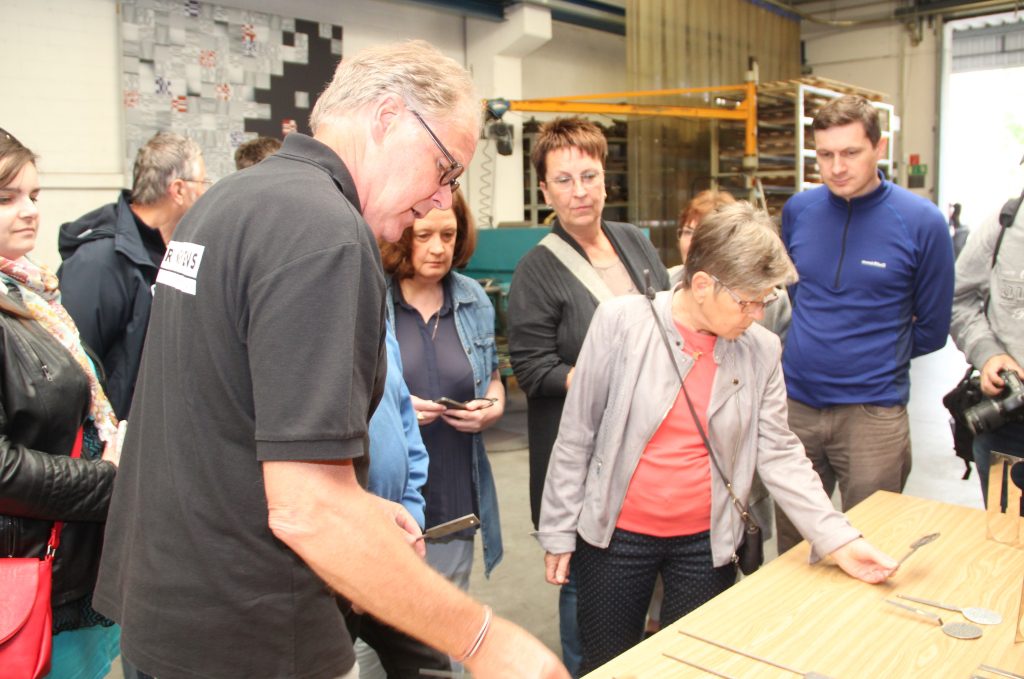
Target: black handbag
(965,394)
(749,554)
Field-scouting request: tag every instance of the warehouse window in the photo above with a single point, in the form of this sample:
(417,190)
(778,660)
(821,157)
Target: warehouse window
(982,124)
(988,46)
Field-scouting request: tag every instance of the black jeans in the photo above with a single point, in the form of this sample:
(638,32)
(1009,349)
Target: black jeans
(615,587)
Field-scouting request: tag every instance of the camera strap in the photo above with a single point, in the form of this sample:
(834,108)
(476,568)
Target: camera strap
(1007,216)
(745,515)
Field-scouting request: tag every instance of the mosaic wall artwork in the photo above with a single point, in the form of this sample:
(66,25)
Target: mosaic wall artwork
(219,75)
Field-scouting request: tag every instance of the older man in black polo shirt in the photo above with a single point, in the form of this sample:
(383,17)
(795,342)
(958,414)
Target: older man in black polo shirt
(237,496)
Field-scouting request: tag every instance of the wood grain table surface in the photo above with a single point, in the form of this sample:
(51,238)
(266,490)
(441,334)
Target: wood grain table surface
(816,618)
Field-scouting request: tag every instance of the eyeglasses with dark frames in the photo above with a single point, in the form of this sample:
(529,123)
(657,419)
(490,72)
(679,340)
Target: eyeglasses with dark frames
(749,306)
(449,175)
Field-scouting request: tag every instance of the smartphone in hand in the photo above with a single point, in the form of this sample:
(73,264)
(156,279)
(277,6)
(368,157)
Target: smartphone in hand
(450,403)
(449,527)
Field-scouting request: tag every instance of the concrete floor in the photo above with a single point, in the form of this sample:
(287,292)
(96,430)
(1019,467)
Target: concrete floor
(517,589)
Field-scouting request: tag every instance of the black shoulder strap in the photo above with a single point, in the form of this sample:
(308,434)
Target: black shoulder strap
(745,514)
(1006,218)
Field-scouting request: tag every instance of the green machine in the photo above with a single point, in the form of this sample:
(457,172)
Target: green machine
(498,251)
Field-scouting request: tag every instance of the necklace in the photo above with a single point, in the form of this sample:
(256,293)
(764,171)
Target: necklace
(419,297)
(437,321)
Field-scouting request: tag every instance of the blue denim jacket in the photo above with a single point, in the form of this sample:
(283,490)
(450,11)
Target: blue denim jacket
(474,322)
(398,459)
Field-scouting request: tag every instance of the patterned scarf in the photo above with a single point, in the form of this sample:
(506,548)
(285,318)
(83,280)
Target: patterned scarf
(41,297)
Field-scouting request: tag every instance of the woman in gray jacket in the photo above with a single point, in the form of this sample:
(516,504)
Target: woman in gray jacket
(631,492)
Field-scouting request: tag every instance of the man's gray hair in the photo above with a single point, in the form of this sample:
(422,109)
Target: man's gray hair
(740,246)
(165,157)
(426,80)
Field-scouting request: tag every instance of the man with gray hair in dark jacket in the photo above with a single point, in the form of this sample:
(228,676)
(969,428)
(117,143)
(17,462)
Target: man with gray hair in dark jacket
(112,255)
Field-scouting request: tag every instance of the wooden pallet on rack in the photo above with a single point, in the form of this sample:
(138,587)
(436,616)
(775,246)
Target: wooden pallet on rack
(823,83)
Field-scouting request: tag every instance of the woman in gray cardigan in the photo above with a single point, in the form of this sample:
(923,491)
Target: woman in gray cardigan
(631,492)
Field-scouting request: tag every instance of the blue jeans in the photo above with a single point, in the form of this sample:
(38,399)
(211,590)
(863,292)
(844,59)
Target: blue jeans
(569,628)
(1007,439)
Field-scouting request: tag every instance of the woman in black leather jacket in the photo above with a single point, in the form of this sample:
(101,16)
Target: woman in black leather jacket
(48,391)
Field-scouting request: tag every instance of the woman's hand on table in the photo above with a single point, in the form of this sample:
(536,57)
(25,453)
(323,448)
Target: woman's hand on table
(426,411)
(556,567)
(479,414)
(862,560)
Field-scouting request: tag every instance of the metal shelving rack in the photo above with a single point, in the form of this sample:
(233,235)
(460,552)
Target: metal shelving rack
(786,158)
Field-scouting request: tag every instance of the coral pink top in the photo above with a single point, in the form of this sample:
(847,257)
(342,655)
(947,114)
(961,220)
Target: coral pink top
(670,492)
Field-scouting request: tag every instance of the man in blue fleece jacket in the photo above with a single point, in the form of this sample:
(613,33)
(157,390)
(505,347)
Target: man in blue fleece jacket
(876,289)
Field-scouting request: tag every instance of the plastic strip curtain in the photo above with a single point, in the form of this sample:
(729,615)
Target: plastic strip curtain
(691,43)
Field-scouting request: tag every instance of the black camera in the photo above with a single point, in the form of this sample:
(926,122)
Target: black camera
(993,413)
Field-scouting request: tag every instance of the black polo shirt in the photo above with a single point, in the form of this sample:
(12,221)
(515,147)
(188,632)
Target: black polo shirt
(265,343)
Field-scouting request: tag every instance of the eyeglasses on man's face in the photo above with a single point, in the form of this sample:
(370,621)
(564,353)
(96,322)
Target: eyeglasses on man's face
(451,173)
(566,182)
(749,306)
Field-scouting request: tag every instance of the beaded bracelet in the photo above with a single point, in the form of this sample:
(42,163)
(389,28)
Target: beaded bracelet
(478,642)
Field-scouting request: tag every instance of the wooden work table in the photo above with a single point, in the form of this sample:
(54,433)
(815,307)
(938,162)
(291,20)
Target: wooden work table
(816,618)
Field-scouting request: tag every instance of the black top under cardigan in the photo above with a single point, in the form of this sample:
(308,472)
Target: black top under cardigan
(549,312)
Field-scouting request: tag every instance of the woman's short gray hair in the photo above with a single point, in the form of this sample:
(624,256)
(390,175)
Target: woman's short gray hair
(740,246)
(426,80)
(165,157)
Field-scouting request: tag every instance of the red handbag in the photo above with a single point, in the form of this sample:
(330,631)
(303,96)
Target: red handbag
(26,617)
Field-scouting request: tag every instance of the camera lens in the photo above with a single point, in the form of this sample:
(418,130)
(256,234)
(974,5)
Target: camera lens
(985,416)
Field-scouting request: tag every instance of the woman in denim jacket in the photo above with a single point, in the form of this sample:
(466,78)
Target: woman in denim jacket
(445,328)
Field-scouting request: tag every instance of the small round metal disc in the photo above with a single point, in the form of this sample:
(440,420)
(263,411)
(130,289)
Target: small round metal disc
(962,630)
(982,616)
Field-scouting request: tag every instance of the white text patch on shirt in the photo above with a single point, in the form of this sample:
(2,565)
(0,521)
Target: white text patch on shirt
(873,262)
(180,266)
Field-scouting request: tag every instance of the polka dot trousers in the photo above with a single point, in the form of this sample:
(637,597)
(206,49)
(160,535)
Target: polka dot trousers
(615,587)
